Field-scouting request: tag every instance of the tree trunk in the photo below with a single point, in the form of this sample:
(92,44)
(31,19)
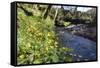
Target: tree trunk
(46,11)
(56,14)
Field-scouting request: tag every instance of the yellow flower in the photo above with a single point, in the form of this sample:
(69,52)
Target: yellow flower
(46,48)
(28,45)
(51,47)
(40,34)
(31,28)
(56,43)
(49,41)
(49,34)
(21,56)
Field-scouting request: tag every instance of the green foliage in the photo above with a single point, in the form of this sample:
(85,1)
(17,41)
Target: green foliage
(66,23)
(36,41)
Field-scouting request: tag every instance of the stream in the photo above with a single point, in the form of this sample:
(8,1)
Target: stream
(83,48)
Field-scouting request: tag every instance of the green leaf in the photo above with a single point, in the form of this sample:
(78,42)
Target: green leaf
(66,23)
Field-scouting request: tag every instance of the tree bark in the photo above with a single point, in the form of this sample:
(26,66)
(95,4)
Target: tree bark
(56,14)
(46,11)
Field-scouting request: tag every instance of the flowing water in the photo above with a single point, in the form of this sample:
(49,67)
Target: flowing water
(83,48)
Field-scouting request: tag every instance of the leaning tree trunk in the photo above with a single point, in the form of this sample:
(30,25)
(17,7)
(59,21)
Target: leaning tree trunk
(56,14)
(45,14)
